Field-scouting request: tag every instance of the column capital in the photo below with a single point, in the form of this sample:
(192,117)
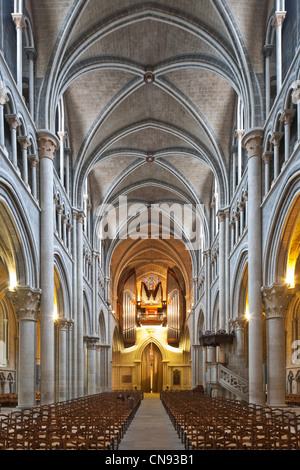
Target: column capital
(268,50)
(80,217)
(19,21)
(239,133)
(91,341)
(278,18)
(62,323)
(276,299)
(296,92)
(4,98)
(267,156)
(26,300)
(221,216)
(47,144)
(30,52)
(276,138)
(24,142)
(62,135)
(287,116)
(12,120)
(33,159)
(238,322)
(252,141)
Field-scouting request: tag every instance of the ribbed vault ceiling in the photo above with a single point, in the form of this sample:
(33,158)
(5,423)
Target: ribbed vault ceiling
(203,53)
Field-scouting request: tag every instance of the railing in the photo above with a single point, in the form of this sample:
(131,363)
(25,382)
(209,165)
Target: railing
(233,382)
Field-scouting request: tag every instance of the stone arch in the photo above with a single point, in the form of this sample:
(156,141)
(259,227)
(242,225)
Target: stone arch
(281,245)
(102,327)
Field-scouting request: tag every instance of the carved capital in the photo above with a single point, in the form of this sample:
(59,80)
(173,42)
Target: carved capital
(19,21)
(238,323)
(24,142)
(62,323)
(239,133)
(276,138)
(267,156)
(268,50)
(13,121)
(252,141)
(221,216)
(287,116)
(80,217)
(276,299)
(278,18)
(47,144)
(296,92)
(4,98)
(62,135)
(26,300)
(33,160)
(91,341)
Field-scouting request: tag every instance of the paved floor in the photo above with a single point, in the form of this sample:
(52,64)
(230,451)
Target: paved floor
(151,428)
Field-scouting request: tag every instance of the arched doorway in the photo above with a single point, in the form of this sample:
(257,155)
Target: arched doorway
(152,372)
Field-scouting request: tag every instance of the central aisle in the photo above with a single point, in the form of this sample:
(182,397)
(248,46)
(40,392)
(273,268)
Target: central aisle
(151,428)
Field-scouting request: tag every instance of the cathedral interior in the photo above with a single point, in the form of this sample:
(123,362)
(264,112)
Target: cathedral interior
(149,198)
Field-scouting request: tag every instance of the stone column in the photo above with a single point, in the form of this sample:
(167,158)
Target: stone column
(3,100)
(268,50)
(234,152)
(79,293)
(253,144)
(25,143)
(91,342)
(30,52)
(239,135)
(276,300)
(267,158)
(64,228)
(33,160)
(275,140)
(67,157)
(238,324)
(287,118)
(70,361)
(279,17)
(241,207)
(98,368)
(74,306)
(296,101)
(237,225)
(62,325)
(206,255)
(227,267)
(13,122)
(18,19)
(26,300)
(222,289)
(62,137)
(59,211)
(232,236)
(47,144)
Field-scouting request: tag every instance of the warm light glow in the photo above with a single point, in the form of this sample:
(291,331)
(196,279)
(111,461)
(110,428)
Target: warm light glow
(55,311)
(12,280)
(247,314)
(290,276)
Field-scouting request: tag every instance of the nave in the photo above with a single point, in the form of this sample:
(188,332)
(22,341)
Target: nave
(182,421)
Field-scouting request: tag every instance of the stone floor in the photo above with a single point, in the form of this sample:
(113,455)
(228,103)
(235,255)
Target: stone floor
(151,428)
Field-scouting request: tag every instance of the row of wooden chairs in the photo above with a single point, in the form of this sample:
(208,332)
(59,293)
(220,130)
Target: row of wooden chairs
(203,422)
(95,422)
(8,400)
(292,399)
